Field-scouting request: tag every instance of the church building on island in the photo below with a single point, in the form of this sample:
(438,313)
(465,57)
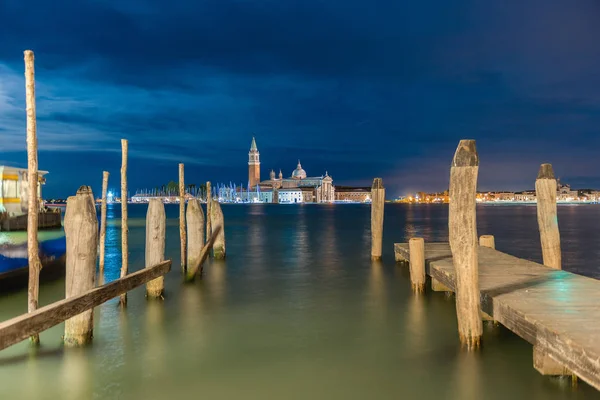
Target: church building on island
(298,188)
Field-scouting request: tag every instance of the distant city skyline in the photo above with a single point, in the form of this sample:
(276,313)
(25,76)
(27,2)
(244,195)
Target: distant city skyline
(386,93)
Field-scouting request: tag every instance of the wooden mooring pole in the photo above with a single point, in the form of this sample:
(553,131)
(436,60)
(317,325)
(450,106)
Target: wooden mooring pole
(463,242)
(33,208)
(487,241)
(81,234)
(105,175)
(196,267)
(417,264)
(545,189)
(182,236)
(208,213)
(377,206)
(124,227)
(156,222)
(195,232)
(217,219)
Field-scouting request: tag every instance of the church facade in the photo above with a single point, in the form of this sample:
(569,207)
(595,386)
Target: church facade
(314,189)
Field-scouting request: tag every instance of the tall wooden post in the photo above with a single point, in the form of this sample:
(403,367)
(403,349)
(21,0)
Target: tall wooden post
(487,241)
(217,219)
(103,219)
(463,242)
(208,213)
(81,234)
(416,247)
(182,237)
(156,223)
(377,205)
(545,189)
(195,232)
(124,227)
(33,208)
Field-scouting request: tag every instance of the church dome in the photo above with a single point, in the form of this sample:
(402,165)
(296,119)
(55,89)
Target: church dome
(299,173)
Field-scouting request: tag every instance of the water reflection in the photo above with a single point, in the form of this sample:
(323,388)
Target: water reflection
(155,344)
(329,252)
(193,303)
(377,296)
(416,322)
(76,374)
(216,283)
(466,382)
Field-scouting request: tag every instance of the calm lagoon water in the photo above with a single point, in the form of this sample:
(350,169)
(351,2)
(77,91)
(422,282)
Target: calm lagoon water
(297,311)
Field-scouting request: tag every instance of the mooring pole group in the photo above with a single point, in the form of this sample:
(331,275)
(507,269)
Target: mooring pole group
(86,246)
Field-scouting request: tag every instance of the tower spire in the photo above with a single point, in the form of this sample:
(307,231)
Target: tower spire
(253,164)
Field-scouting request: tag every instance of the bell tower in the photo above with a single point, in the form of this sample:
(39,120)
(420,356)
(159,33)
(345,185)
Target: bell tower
(253,165)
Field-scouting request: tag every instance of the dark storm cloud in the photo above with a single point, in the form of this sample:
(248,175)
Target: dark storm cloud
(360,89)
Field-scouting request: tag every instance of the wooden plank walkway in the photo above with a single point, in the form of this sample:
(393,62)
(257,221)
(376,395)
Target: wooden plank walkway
(556,311)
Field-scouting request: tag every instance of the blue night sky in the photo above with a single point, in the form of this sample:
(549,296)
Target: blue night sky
(360,89)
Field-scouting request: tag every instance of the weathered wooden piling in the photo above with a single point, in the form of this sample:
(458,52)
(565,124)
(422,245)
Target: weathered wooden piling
(195,232)
(81,234)
(417,264)
(217,219)
(124,226)
(487,241)
(208,206)
(105,175)
(196,267)
(463,242)
(545,188)
(182,236)
(33,208)
(156,223)
(377,206)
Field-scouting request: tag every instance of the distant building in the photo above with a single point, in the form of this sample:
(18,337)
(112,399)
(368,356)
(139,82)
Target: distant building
(317,189)
(564,193)
(14,196)
(253,165)
(525,196)
(504,196)
(290,196)
(353,194)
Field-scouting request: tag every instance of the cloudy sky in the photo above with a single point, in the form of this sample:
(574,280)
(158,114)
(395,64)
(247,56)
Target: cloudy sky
(360,89)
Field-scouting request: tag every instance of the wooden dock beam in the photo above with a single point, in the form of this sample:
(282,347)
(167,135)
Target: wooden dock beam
(545,188)
(81,234)
(156,223)
(417,264)
(463,242)
(105,175)
(35,265)
(19,328)
(377,206)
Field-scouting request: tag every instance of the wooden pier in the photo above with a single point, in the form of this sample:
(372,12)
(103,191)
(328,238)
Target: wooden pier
(558,312)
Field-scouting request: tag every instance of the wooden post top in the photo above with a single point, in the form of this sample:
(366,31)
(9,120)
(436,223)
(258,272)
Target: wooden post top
(546,172)
(84,190)
(466,154)
(377,183)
